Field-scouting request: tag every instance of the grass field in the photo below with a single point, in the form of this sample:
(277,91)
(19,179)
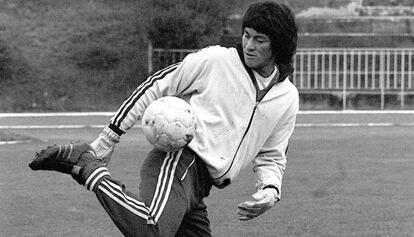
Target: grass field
(340,181)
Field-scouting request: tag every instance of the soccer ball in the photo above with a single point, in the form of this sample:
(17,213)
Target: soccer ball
(169,123)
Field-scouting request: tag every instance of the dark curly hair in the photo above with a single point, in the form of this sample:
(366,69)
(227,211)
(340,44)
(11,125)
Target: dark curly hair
(277,21)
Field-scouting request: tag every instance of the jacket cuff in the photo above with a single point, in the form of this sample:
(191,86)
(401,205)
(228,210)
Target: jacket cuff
(115,129)
(93,181)
(111,135)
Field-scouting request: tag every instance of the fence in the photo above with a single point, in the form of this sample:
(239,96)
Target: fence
(346,71)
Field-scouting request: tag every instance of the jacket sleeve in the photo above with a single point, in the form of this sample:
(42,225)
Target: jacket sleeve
(179,80)
(129,214)
(271,161)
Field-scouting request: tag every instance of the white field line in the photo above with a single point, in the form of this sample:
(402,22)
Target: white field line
(304,125)
(356,112)
(52,126)
(77,114)
(63,114)
(12,142)
(298,125)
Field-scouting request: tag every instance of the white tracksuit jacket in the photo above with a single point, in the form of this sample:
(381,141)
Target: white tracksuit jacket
(236,123)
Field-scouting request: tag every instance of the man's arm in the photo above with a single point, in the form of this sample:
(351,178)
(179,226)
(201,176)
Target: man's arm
(270,163)
(269,167)
(176,80)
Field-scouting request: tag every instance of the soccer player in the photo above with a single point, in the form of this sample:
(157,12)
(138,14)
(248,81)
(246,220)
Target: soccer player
(245,108)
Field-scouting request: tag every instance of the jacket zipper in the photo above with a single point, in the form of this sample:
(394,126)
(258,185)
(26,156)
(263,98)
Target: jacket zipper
(241,142)
(258,100)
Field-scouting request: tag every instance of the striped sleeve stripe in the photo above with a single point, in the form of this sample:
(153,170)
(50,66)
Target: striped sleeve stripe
(164,184)
(129,103)
(122,199)
(139,213)
(95,176)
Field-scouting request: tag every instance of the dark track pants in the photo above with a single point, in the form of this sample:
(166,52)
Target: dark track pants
(170,201)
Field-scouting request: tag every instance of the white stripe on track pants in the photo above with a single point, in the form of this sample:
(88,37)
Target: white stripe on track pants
(170,201)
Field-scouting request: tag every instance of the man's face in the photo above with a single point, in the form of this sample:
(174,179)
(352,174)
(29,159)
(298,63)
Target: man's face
(257,51)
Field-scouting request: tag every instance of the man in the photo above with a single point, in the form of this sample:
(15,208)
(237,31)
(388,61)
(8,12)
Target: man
(246,110)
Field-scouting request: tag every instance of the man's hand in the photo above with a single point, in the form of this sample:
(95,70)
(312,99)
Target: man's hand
(263,201)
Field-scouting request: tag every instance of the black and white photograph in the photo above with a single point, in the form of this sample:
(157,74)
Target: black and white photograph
(207,118)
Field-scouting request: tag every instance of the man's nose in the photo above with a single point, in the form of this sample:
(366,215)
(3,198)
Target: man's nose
(250,44)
